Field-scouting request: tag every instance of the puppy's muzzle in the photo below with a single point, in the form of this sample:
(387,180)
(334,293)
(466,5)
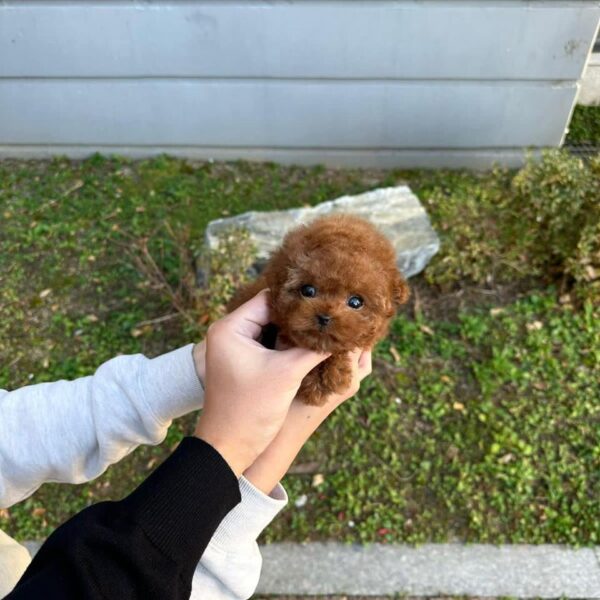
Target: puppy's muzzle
(323,320)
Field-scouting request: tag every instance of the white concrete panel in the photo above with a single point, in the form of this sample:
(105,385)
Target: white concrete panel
(289,114)
(590,85)
(295,39)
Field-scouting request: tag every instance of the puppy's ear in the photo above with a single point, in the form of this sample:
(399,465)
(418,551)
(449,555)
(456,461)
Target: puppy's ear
(400,289)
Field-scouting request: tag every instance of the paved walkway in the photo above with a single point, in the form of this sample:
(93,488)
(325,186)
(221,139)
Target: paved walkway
(433,569)
(517,571)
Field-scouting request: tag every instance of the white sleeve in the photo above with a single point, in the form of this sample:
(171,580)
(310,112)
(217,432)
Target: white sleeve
(71,431)
(231,564)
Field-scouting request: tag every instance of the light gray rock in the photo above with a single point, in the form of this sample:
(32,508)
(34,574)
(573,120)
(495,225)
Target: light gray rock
(395,210)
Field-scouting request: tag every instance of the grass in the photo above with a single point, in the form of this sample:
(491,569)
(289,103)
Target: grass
(585,126)
(480,421)
(480,429)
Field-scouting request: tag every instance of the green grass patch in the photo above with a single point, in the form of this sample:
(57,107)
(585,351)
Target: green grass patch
(584,127)
(481,429)
(475,425)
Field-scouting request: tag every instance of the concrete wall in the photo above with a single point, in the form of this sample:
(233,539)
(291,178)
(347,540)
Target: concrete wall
(387,83)
(590,86)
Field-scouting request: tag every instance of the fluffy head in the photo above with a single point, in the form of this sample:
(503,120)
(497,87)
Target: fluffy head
(334,284)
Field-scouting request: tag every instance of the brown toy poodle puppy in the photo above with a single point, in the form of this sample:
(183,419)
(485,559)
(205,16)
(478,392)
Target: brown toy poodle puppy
(334,287)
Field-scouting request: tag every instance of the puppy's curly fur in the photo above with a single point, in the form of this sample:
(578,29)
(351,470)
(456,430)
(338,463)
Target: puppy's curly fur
(334,287)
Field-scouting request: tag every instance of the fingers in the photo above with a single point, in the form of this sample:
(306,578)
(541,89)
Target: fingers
(249,319)
(361,362)
(302,360)
(365,364)
(361,367)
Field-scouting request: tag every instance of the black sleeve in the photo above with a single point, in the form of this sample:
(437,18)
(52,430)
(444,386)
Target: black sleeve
(147,545)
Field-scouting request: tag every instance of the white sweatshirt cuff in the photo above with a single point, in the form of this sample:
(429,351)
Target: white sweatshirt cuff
(249,518)
(231,564)
(171,385)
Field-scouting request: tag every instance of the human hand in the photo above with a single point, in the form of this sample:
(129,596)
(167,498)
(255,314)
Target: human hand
(300,423)
(248,388)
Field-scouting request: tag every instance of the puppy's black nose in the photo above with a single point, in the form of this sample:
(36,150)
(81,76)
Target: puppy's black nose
(323,320)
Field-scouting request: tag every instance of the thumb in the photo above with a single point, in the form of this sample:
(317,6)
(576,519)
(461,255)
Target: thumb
(302,360)
(249,318)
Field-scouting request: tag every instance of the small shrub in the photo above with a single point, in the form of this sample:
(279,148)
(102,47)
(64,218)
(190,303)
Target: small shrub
(542,221)
(466,216)
(584,265)
(171,264)
(559,199)
(225,268)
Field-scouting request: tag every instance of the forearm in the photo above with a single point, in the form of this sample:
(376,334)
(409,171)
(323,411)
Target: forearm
(270,467)
(231,565)
(145,546)
(81,427)
(299,425)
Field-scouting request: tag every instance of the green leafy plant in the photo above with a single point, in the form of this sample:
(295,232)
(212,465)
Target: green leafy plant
(540,222)
(226,267)
(196,282)
(559,198)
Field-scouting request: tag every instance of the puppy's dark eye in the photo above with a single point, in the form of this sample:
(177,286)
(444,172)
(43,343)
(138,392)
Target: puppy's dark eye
(308,291)
(355,302)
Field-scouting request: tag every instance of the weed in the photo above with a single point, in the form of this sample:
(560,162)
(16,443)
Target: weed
(175,264)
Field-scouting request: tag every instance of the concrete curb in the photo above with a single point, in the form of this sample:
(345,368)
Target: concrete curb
(517,571)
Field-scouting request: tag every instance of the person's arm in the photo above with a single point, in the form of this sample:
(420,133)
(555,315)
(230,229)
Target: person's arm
(233,556)
(302,421)
(77,447)
(143,547)
(231,564)
(111,549)
(81,427)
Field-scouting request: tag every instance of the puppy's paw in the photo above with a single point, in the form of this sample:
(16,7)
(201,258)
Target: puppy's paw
(311,390)
(336,374)
(332,376)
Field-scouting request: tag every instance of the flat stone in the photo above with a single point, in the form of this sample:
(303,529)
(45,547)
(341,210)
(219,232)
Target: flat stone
(518,571)
(396,211)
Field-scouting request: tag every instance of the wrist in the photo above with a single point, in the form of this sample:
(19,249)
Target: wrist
(303,420)
(235,454)
(273,463)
